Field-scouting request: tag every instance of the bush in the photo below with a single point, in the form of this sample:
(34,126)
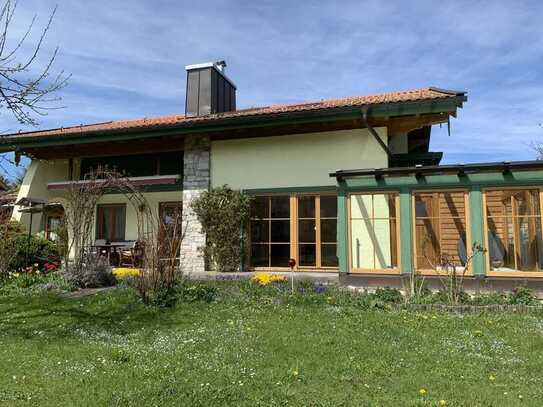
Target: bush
(19,283)
(165,297)
(493,298)
(96,273)
(39,250)
(522,296)
(223,214)
(199,292)
(388,295)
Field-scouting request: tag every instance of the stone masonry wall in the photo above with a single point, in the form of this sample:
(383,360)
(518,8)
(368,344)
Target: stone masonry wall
(195,181)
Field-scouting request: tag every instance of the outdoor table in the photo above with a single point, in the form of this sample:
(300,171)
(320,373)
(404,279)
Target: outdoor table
(110,248)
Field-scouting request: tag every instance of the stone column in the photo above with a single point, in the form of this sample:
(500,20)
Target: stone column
(195,181)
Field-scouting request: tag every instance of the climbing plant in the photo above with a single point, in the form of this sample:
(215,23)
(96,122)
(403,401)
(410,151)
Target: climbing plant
(224,215)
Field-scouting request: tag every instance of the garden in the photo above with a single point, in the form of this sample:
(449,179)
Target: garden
(259,342)
(80,332)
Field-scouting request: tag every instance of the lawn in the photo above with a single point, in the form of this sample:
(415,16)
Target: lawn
(110,350)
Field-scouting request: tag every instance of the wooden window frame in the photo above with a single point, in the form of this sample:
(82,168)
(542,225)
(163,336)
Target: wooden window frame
(431,272)
(99,226)
(294,242)
(391,271)
(318,238)
(516,273)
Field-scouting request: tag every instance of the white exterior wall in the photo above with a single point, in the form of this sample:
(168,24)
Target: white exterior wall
(34,185)
(298,160)
(40,173)
(153,199)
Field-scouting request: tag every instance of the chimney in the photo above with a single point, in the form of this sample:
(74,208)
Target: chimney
(209,90)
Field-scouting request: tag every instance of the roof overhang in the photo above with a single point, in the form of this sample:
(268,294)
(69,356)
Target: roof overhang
(223,125)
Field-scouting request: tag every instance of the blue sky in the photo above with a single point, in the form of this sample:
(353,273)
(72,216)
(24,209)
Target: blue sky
(127,59)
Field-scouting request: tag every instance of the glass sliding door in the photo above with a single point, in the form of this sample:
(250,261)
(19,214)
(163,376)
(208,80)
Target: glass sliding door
(270,231)
(300,226)
(328,231)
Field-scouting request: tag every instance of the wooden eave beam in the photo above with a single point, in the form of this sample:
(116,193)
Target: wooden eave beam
(402,125)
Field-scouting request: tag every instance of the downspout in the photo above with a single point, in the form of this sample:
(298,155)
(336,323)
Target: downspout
(385,148)
(242,247)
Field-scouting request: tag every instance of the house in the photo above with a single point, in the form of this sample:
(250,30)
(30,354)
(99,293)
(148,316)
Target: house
(344,186)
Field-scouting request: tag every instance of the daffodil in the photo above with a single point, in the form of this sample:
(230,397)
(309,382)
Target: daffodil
(491,378)
(125,272)
(422,392)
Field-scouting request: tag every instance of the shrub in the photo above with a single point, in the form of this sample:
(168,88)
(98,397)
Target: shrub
(492,298)
(199,292)
(8,232)
(388,295)
(522,296)
(165,297)
(28,251)
(21,283)
(96,273)
(223,214)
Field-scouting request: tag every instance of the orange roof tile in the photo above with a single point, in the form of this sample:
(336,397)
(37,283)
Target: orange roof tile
(175,120)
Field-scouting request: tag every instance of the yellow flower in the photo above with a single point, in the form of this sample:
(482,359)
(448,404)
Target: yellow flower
(295,373)
(491,378)
(422,392)
(442,402)
(264,279)
(125,272)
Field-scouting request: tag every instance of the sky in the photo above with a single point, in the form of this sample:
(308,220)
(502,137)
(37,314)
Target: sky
(127,59)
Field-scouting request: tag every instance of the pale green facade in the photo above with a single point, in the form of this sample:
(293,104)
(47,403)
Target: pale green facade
(300,160)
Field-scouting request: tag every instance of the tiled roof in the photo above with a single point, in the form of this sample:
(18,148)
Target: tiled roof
(176,120)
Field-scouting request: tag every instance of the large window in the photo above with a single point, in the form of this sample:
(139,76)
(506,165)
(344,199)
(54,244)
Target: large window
(373,231)
(317,231)
(270,231)
(513,220)
(303,227)
(138,165)
(111,221)
(440,229)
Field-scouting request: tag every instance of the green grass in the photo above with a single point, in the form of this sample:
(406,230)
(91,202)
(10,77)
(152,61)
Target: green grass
(109,350)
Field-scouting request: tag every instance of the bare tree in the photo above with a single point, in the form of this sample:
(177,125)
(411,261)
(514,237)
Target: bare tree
(538,149)
(159,242)
(26,89)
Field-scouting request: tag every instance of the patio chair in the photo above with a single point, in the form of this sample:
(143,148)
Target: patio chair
(127,254)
